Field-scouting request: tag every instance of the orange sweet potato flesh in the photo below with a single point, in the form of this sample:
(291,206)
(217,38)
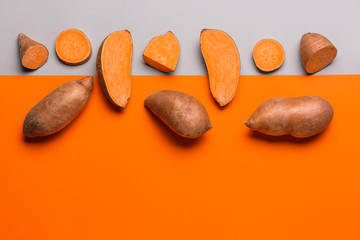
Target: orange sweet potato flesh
(73,47)
(162,52)
(113,64)
(32,54)
(268,55)
(316,51)
(222,60)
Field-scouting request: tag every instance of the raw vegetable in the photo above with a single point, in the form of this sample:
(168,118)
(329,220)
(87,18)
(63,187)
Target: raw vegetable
(162,52)
(113,64)
(223,64)
(316,52)
(32,54)
(73,47)
(181,112)
(299,116)
(58,109)
(268,55)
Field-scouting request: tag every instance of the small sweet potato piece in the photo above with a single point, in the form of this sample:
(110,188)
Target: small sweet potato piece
(113,65)
(73,47)
(162,52)
(268,55)
(58,109)
(222,60)
(316,52)
(181,112)
(32,54)
(299,116)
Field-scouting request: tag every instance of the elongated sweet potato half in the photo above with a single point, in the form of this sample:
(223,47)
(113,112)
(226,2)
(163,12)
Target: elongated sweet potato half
(222,60)
(32,54)
(268,55)
(58,109)
(316,51)
(73,47)
(162,52)
(299,116)
(181,112)
(113,64)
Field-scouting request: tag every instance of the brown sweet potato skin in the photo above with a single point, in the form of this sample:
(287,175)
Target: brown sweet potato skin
(181,112)
(299,116)
(58,109)
(316,52)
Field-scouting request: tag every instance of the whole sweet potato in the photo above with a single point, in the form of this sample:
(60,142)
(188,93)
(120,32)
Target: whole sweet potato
(58,108)
(181,112)
(299,116)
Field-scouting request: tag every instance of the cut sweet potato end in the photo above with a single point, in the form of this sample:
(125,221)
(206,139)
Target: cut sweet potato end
(35,57)
(162,52)
(222,60)
(320,59)
(116,58)
(268,55)
(157,65)
(73,47)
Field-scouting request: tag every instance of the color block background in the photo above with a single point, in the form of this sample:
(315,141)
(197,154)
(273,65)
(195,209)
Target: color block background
(245,21)
(125,175)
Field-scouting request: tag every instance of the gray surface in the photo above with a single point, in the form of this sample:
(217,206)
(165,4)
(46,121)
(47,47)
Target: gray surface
(246,21)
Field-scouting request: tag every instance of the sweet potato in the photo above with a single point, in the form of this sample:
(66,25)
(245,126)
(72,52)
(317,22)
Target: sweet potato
(181,112)
(73,47)
(32,54)
(222,60)
(162,52)
(58,109)
(113,65)
(268,55)
(316,52)
(299,116)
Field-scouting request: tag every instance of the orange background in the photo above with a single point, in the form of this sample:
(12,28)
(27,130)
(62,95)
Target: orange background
(125,175)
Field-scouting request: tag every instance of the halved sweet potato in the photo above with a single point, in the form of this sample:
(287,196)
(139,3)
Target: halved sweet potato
(113,64)
(222,60)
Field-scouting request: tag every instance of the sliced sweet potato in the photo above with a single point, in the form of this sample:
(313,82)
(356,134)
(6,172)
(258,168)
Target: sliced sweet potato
(73,47)
(268,55)
(32,54)
(58,109)
(316,51)
(181,112)
(222,60)
(162,52)
(113,64)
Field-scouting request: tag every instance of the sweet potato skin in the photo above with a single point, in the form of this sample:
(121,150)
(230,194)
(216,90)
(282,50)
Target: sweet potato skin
(300,117)
(181,112)
(316,52)
(58,108)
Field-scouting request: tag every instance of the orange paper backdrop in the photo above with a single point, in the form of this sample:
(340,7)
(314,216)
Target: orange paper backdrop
(125,175)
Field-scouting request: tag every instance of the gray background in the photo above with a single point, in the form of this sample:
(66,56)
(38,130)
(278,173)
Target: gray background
(245,21)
